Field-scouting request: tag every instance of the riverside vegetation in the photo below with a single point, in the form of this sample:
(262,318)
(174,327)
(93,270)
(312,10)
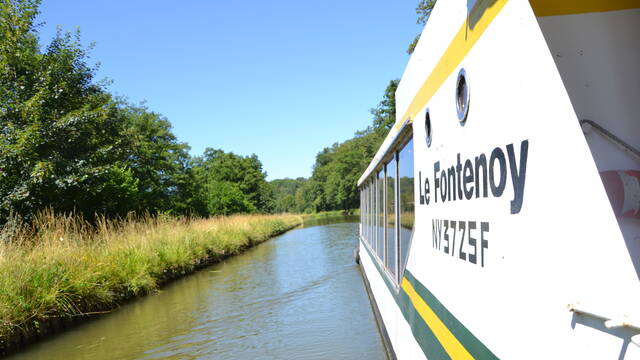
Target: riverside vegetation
(143,209)
(59,267)
(69,145)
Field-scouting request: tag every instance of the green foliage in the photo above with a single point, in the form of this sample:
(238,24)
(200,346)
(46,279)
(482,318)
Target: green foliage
(241,181)
(66,144)
(61,143)
(335,176)
(224,198)
(413,45)
(161,164)
(333,183)
(384,115)
(423,10)
(284,191)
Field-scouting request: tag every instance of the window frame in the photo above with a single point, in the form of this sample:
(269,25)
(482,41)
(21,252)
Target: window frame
(404,143)
(372,183)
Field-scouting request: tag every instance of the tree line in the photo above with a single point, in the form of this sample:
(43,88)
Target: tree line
(69,145)
(333,182)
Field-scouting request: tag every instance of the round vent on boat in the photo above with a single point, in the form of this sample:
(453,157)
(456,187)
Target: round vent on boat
(427,127)
(462,96)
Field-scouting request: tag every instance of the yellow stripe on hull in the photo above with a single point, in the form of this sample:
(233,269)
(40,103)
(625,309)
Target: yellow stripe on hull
(449,342)
(459,47)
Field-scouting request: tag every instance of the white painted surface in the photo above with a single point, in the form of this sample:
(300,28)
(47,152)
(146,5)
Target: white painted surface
(598,57)
(399,331)
(565,245)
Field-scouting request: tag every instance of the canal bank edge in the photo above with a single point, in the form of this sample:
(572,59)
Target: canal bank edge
(41,329)
(330,214)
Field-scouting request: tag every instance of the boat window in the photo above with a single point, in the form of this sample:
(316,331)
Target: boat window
(380,215)
(390,205)
(368,195)
(374,217)
(407,206)
(366,212)
(362,212)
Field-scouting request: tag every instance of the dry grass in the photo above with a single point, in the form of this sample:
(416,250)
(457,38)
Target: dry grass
(61,267)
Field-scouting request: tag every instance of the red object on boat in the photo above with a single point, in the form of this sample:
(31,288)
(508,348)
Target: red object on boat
(623,190)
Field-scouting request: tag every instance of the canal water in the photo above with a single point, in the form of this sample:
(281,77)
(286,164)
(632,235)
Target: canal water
(297,296)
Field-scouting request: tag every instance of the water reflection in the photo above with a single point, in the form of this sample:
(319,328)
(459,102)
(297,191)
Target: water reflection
(338,219)
(297,296)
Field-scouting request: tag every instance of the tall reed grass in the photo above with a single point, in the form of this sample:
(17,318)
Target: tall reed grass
(61,266)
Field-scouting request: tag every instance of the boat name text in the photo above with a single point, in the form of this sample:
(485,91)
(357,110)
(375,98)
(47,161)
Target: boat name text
(468,178)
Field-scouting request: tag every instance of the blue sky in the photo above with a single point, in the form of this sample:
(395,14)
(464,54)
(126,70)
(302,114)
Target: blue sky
(281,79)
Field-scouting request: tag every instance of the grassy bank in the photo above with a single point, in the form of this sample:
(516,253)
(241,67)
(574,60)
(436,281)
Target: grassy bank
(329,214)
(62,268)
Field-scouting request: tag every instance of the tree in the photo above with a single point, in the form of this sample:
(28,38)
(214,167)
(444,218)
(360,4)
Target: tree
(225,198)
(216,167)
(423,10)
(305,196)
(384,115)
(66,144)
(284,191)
(412,46)
(161,164)
(61,143)
(333,183)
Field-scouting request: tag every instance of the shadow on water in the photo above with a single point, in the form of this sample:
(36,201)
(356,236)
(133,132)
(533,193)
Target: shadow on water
(298,296)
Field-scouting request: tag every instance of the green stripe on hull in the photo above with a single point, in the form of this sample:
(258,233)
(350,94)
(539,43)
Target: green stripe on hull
(477,349)
(427,340)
